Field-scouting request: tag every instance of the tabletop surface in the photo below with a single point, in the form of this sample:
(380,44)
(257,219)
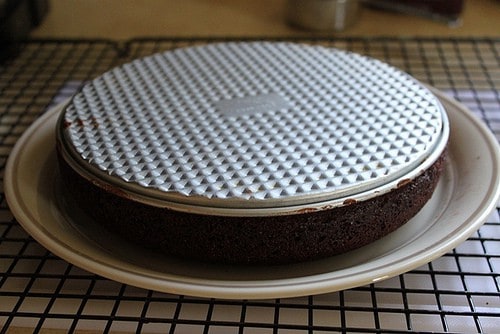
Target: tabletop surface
(123,19)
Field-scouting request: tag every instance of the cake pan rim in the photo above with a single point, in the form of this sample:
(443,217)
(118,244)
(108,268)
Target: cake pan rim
(236,207)
(247,199)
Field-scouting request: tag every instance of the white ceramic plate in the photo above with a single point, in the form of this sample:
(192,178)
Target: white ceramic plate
(467,192)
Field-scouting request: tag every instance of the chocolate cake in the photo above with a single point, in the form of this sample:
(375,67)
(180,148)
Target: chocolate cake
(252,153)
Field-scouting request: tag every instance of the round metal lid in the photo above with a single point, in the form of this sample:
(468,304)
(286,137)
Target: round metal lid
(252,126)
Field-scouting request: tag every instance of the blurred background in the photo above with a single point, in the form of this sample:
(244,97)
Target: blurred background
(124,19)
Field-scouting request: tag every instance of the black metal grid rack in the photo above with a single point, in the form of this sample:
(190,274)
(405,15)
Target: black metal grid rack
(459,292)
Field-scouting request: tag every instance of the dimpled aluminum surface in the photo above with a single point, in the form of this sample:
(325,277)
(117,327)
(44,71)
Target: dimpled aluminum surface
(245,124)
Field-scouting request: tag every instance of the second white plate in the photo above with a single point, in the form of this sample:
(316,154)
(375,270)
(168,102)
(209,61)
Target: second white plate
(466,194)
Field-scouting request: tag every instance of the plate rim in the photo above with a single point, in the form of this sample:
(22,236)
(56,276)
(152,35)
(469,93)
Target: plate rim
(237,289)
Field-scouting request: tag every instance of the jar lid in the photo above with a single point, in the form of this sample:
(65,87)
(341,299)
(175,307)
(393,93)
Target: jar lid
(252,128)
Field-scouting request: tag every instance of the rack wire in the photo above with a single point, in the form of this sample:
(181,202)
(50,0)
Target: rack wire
(458,292)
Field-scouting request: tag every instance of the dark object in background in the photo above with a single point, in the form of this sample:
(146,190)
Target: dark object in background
(440,10)
(326,15)
(17,18)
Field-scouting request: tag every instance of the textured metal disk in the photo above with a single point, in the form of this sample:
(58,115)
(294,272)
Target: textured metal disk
(249,125)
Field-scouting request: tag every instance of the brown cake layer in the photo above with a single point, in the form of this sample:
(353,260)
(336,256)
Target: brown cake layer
(253,240)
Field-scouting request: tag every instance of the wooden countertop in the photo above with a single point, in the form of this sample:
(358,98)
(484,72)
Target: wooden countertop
(124,19)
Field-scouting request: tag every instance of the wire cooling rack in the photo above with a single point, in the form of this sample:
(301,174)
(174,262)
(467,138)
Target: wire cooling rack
(459,292)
